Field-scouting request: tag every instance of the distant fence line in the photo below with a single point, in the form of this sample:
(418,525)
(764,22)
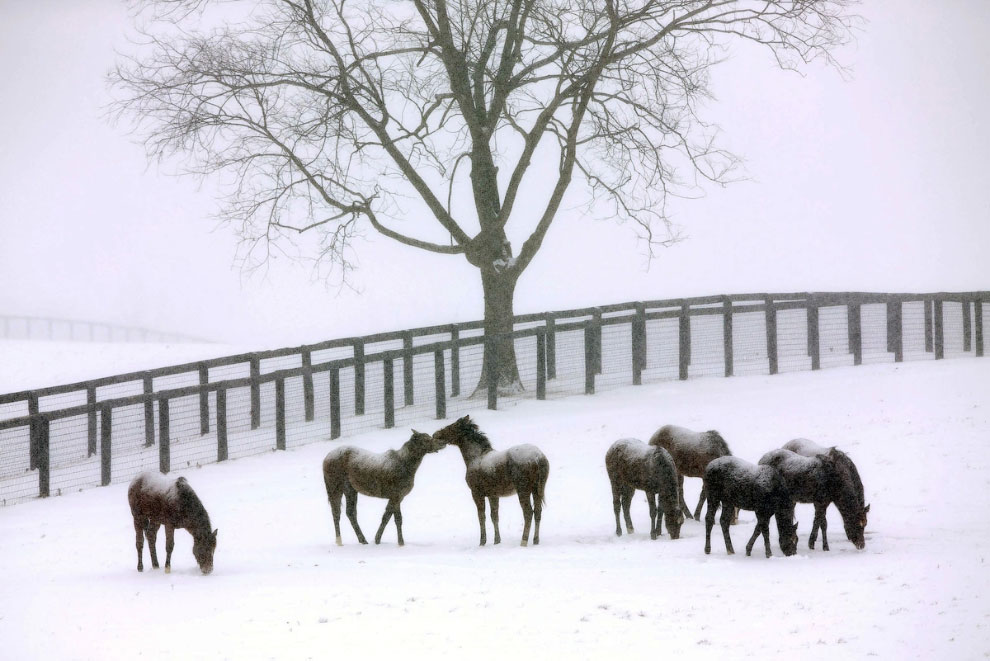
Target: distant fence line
(106,430)
(23,327)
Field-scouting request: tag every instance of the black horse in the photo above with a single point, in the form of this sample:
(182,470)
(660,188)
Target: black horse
(521,470)
(631,465)
(692,451)
(733,483)
(843,464)
(157,501)
(818,480)
(348,471)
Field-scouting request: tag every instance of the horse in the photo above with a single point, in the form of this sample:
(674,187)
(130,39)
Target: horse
(692,451)
(733,482)
(348,471)
(632,464)
(520,470)
(845,466)
(818,479)
(157,501)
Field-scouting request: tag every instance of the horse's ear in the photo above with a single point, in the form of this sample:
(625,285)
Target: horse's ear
(414,432)
(215,534)
(866,509)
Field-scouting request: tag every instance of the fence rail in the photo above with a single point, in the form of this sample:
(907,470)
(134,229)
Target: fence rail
(23,327)
(95,432)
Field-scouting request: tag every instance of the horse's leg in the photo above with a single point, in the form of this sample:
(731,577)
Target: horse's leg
(169,545)
(527,516)
(335,510)
(724,521)
(537,515)
(139,542)
(151,532)
(822,523)
(617,506)
(680,495)
(654,524)
(479,502)
(701,501)
(397,510)
(493,505)
(389,509)
(627,496)
(350,494)
(709,522)
(756,531)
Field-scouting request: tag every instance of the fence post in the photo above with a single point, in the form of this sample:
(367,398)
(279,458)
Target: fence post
(967,326)
(978,318)
(40,431)
(106,449)
(491,349)
(389,393)
(164,443)
(684,341)
(307,375)
(255,392)
(335,403)
(814,338)
(407,370)
(929,342)
(455,362)
(204,400)
(541,363)
(440,382)
(280,413)
(551,325)
(222,424)
(853,318)
(639,344)
(91,414)
(939,329)
(770,313)
(895,338)
(32,441)
(596,317)
(149,411)
(358,377)
(727,335)
(589,359)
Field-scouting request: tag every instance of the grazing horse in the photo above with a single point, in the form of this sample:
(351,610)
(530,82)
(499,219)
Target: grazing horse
(631,465)
(819,480)
(843,464)
(348,471)
(733,482)
(521,470)
(156,501)
(692,451)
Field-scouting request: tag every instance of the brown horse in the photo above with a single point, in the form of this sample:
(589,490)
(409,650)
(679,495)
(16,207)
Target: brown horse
(348,471)
(692,451)
(632,464)
(157,501)
(521,470)
(843,464)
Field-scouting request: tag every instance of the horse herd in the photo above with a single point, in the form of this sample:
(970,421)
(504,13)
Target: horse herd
(799,472)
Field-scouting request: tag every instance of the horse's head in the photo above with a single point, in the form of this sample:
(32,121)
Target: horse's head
(788,537)
(855,528)
(454,433)
(426,442)
(674,525)
(203,548)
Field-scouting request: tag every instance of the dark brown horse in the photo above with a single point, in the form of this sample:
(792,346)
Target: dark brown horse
(818,480)
(843,464)
(348,471)
(521,470)
(156,501)
(692,451)
(632,464)
(733,482)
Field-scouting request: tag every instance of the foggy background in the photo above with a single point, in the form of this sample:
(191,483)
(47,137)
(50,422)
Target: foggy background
(877,183)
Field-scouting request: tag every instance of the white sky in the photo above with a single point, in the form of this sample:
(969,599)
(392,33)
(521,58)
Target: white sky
(878,183)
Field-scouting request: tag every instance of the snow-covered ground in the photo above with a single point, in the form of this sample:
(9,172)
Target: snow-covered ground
(280,589)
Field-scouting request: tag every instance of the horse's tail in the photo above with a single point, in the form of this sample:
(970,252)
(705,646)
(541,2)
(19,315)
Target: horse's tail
(541,483)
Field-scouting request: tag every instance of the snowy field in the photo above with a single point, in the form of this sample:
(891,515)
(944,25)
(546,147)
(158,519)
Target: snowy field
(921,589)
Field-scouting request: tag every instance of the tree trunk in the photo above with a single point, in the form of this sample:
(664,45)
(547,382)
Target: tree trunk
(499,289)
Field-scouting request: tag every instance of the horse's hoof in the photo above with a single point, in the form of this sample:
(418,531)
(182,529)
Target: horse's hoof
(524,543)
(340,542)
(402,543)
(168,570)
(140,568)
(708,551)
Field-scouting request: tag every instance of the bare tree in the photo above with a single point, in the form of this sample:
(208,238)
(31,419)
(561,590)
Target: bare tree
(332,115)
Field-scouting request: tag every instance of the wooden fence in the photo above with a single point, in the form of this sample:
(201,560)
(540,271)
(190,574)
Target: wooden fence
(69,437)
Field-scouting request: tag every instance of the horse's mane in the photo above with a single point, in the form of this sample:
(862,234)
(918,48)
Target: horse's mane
(190,504)
(843,462)
(718,443)
(469,428)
